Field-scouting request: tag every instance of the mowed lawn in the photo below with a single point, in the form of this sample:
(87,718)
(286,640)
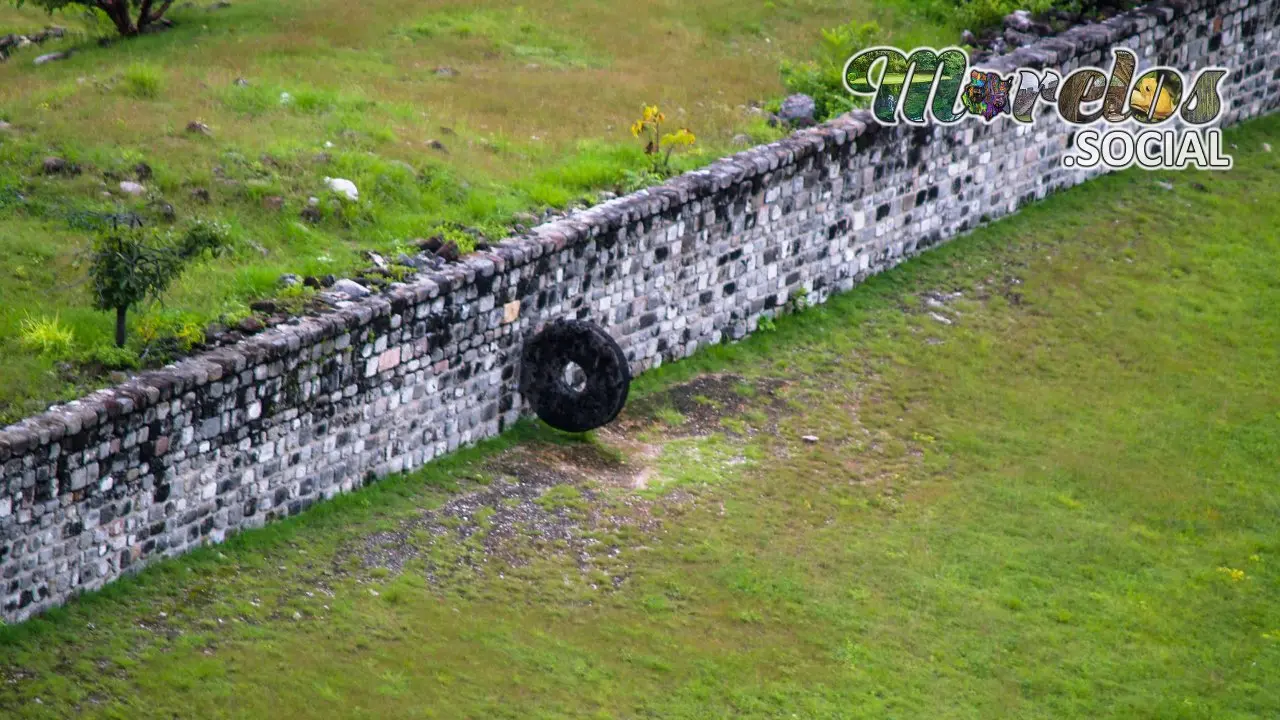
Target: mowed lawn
(450,117)
(1033,474)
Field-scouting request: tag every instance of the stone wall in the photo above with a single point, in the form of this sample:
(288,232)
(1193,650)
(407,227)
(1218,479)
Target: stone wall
(245,434)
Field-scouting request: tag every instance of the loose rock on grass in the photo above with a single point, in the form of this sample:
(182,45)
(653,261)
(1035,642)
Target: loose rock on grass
(343,187)
(351,288)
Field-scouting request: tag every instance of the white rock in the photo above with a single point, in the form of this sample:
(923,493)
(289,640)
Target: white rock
(810,439)
(52,57)
(132,188)
(343,187)
(350,288)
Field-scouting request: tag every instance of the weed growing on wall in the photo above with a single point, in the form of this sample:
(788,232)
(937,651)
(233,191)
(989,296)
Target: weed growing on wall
(659,146)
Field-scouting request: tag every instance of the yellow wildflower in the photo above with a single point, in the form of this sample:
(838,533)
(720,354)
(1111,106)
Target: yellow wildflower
(1234,574)
(679,137)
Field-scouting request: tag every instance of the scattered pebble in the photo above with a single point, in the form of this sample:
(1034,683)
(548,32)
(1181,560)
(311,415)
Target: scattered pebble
(1165,185)
(811,439)
(132,188)
(940,318)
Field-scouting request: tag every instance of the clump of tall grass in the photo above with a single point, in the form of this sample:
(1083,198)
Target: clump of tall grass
(47,336)
(142,81)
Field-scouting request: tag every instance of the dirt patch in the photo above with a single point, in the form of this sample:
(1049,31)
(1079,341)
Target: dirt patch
(546,499)
(543,498)
(703,403)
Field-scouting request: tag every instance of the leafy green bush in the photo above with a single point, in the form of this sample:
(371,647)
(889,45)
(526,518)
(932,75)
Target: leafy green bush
(822,78)
(110,358)
(294,298)
(131,265)
(181,331)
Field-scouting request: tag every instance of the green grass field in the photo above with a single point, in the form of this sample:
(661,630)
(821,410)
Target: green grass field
(1064,502)
(535,115)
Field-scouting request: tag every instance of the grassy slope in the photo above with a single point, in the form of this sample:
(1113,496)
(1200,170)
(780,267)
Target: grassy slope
(538,116)
(1031,512)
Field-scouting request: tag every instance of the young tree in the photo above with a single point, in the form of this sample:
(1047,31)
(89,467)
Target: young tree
(130,265)
(129,16)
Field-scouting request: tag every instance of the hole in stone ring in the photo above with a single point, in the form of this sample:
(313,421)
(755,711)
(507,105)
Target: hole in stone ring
(574,377)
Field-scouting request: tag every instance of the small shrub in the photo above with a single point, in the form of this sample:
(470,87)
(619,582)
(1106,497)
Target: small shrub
(798,301)
(190,334)
(823,78)
(110,358)
(46,335)
(659,146)
(634,180)
(132,265)
(294,298)
(142,81)
(164,334)
(450,233)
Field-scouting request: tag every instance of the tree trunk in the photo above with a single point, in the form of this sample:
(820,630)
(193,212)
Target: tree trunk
(121,313)
(147,16)
(118,11)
